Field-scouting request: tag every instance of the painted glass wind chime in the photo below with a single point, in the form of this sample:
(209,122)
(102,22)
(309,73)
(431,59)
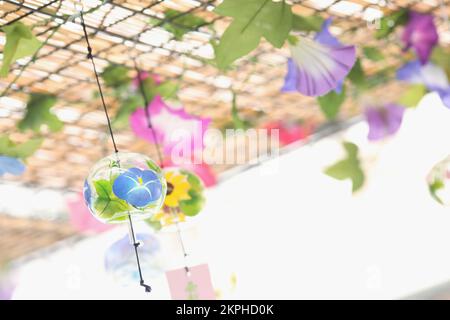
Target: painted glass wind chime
(125,186)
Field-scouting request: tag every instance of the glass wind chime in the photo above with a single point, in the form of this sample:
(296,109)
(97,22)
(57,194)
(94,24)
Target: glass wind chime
(126,186)
(122,185)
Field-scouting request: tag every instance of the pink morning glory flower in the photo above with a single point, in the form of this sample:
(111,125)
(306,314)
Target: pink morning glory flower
(384,120)
(420,33)
(289,132)
(173,127)
(320,65)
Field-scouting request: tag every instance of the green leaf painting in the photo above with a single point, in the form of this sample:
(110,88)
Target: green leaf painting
(155,225)
(252,19)
(331,103)
(16,150)
(153,166)
(109,206)
(194,205)
(348,168)
(20,43)
(38,114)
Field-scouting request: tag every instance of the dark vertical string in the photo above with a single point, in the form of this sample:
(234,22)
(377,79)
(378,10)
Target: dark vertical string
(116,150)
(89,55)
(147,114)
(158,150)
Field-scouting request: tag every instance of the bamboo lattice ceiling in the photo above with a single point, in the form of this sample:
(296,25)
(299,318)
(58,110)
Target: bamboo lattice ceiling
(120,31)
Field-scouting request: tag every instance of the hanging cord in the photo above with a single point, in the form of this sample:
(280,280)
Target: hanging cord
(116,150)
(147,114)
(158,151)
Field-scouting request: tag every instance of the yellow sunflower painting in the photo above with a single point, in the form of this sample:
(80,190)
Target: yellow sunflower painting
(177,188)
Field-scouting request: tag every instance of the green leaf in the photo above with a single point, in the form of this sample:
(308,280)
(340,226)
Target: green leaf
(348,168)
(412,96)
(434,187)
(372,53)
(351,149)
(20,43)
(440,56)
(357,76)
(253,19)
(115,76)
(307,24)
(238,123)
(390,22)
(277,22)
(107,203)
(236,42)
(127,107)
(168,89)
(22,150)
(179,26)
(331,103)
(38,113)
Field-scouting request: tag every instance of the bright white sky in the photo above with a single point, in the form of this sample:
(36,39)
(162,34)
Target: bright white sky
(288,231)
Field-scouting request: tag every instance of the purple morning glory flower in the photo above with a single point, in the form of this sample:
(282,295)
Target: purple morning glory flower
(325,37)
(444,94)
(384,121)
(11,165)
(138,187)
(430,75)
(318,66)
(6,289)
(421,34)
(87,193)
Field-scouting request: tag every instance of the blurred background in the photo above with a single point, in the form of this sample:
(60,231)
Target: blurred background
(309,220)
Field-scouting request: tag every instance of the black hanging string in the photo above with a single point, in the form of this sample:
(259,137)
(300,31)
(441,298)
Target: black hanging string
(116,150)
(147,114)
(158,149)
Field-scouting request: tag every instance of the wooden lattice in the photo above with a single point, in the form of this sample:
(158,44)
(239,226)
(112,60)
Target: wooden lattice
(20,237)
(119,31)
